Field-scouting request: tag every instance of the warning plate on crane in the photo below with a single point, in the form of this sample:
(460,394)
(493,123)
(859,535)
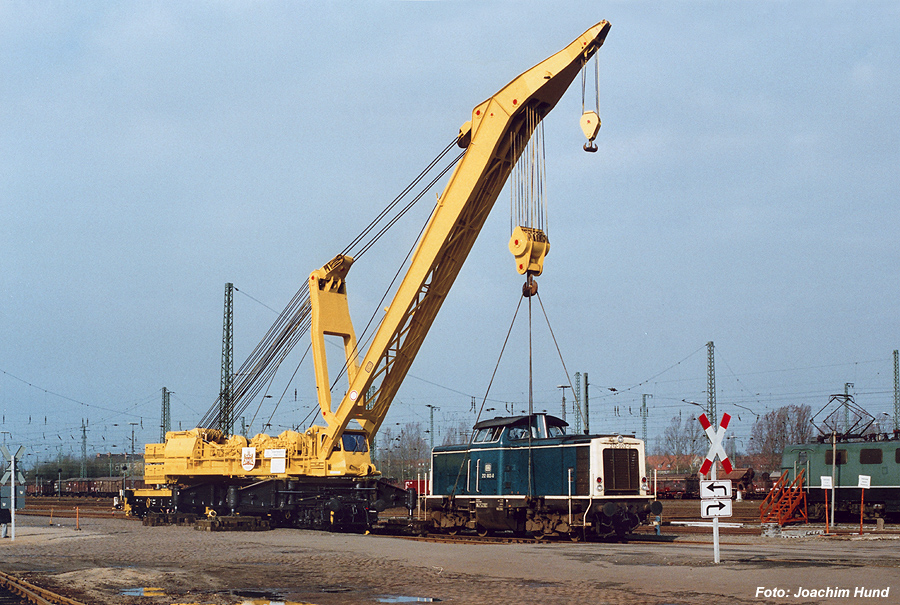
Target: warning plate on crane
(719,507)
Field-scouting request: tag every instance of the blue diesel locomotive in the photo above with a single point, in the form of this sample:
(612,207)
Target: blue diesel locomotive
(526,475)
(876,456)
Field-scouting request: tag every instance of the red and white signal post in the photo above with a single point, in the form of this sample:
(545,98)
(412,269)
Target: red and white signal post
(715,495)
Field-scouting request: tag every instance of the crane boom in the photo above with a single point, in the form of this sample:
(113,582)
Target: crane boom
(454,225)
(205,467)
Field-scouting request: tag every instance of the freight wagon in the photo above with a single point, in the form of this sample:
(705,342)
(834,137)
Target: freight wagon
(100,487)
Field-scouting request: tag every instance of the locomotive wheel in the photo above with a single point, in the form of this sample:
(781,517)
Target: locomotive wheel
(817,512)
(482,531)
(575,535)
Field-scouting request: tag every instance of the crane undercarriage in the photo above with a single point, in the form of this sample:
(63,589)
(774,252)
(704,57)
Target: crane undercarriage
(324,503)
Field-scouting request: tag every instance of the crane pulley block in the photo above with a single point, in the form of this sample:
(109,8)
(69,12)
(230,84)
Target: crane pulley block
(529,246)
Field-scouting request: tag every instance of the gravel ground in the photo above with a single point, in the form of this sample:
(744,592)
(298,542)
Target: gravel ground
(112,560)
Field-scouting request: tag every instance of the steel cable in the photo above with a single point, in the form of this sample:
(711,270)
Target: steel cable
(260,367)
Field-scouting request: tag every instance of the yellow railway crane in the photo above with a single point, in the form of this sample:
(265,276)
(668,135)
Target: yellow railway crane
(324,477)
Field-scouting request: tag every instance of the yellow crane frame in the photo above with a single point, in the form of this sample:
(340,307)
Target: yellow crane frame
(451,231)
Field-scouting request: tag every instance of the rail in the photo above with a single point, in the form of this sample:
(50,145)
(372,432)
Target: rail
(32,593)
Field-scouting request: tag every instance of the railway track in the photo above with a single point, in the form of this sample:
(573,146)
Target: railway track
(14,591)
(675,514)
(644,533)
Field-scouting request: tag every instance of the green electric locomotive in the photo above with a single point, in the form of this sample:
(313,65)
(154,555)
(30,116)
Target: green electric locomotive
(876,457)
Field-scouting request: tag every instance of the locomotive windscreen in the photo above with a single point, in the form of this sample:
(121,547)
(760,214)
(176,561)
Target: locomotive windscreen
(621,471)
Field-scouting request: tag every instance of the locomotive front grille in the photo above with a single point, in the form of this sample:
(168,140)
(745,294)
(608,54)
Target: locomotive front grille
(621,472)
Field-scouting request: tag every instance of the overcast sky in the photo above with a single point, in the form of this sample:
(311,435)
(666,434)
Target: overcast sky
(745,192)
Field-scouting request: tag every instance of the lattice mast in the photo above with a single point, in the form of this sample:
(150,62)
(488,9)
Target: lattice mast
(83,449)
(711,383)
(578,412)
(644,414)
(226,390)
(896,391)
(165,423)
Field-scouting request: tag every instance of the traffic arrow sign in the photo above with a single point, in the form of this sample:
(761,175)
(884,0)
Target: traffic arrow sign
(720,488)
(710,509)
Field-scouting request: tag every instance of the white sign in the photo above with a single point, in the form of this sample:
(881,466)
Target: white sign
(280,453)
(720,488)
(826,481)
(865,481)
(710,509)
(248,458)
(715,439)
(277,465)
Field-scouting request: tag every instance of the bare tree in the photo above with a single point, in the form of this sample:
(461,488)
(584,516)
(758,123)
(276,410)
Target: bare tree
(781,427)
(682,440)
(402,454)
(457,434)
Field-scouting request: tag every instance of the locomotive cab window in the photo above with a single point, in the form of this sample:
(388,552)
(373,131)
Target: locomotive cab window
(870,456)
(841,457)
(556,431)
(518,432)
(487,435)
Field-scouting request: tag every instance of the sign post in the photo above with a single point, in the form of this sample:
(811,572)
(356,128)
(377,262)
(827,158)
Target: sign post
(11,475)
(865,481)
(715,495)
(825,480)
